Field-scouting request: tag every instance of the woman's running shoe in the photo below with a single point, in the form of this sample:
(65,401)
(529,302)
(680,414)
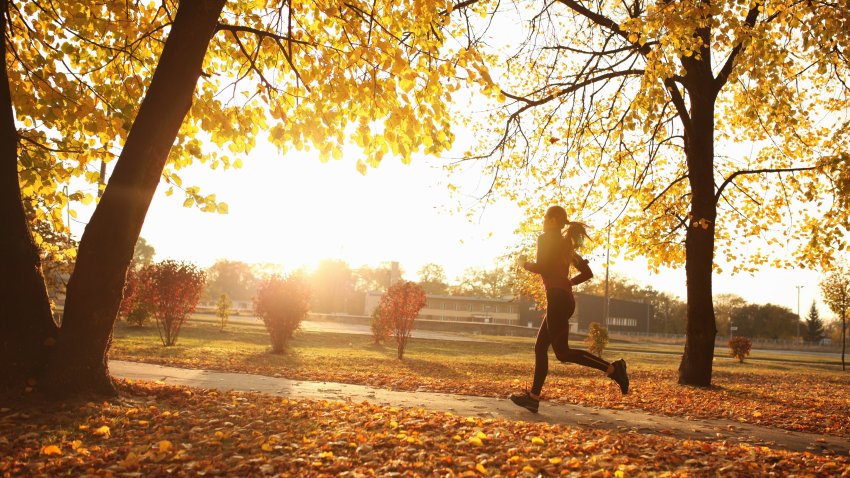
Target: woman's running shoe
(621,376)
(526,401)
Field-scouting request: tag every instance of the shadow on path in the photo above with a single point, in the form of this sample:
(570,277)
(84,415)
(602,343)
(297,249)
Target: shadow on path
(485,407)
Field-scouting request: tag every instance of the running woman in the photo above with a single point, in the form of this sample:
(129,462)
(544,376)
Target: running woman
(555,253)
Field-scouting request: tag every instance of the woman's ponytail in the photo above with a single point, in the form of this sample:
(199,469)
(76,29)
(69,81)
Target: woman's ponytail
(576,234)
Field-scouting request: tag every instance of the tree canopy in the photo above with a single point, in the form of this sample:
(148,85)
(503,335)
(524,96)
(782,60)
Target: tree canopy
(629,113)
(299,74)
(599,98)
(432,278)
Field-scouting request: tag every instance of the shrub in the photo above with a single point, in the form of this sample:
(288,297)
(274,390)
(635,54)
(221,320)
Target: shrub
(381,329)
(139,314)
(282,303)
(135,305)
(740,347)
(172,291)
(400,306)
(222,310)
(597,338)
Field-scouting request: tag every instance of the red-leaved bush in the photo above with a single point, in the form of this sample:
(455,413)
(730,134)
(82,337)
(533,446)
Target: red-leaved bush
(740,347)
(282,303)
(172,290)
(135,306)
(400,305)
(380,327)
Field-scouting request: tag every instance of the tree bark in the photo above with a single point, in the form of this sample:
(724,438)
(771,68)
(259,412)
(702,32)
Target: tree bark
(27,329)
(696,365)
(79,363)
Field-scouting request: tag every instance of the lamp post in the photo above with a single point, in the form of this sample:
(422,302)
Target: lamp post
(607,262)
(798,311)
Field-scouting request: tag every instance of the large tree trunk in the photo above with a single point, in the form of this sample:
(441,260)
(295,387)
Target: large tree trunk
(26,322)
(79,362)
(695,368)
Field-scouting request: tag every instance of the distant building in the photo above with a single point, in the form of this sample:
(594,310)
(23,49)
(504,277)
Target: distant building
(625,316)
(460,309)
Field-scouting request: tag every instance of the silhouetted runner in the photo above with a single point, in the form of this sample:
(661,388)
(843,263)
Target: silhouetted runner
(555,254)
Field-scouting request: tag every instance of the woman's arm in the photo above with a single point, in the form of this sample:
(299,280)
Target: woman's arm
(585,274)
(543,257)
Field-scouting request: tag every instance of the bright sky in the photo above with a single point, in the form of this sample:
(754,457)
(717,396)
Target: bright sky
(295,211)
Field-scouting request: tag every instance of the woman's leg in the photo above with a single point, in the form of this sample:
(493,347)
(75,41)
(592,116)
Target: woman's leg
(541,358)
(561,306)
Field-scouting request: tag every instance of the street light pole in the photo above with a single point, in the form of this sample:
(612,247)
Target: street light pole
(607,262)
(798,311)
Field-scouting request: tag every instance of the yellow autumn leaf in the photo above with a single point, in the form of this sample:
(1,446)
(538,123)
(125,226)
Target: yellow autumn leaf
(361,167)
(266,446)
(102,431)
(555,461)
(480,467)
(537,441)
(51,450)
(476,441)
(164,445)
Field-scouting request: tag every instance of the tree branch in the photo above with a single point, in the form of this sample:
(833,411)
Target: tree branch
(260,33)
(459,6)
(756,171)
(575,86)
(278,39)
(662,193)
(596,18)
(599,53)
(679,103)
(723,75)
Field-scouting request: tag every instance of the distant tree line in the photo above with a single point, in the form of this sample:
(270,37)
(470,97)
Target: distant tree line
(734,315)
(336,287)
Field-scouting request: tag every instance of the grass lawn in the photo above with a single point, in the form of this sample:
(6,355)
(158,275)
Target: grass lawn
(156,430)
(772,389)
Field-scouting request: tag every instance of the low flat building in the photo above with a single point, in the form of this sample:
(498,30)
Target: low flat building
(624,316)
(453,308)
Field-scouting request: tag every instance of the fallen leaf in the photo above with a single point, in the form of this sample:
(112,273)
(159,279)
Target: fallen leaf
(51,450)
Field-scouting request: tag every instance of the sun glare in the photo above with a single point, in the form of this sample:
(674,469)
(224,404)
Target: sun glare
(295,211)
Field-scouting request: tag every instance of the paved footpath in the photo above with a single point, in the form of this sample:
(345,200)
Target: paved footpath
(486,407)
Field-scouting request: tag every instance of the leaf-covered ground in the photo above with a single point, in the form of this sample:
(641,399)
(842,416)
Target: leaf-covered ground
(157,430)
(799,398)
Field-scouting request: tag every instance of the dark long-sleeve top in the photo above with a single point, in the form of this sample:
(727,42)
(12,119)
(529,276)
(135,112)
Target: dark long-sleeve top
(552,263)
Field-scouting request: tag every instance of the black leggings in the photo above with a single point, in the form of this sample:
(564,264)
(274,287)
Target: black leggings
(555,331)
